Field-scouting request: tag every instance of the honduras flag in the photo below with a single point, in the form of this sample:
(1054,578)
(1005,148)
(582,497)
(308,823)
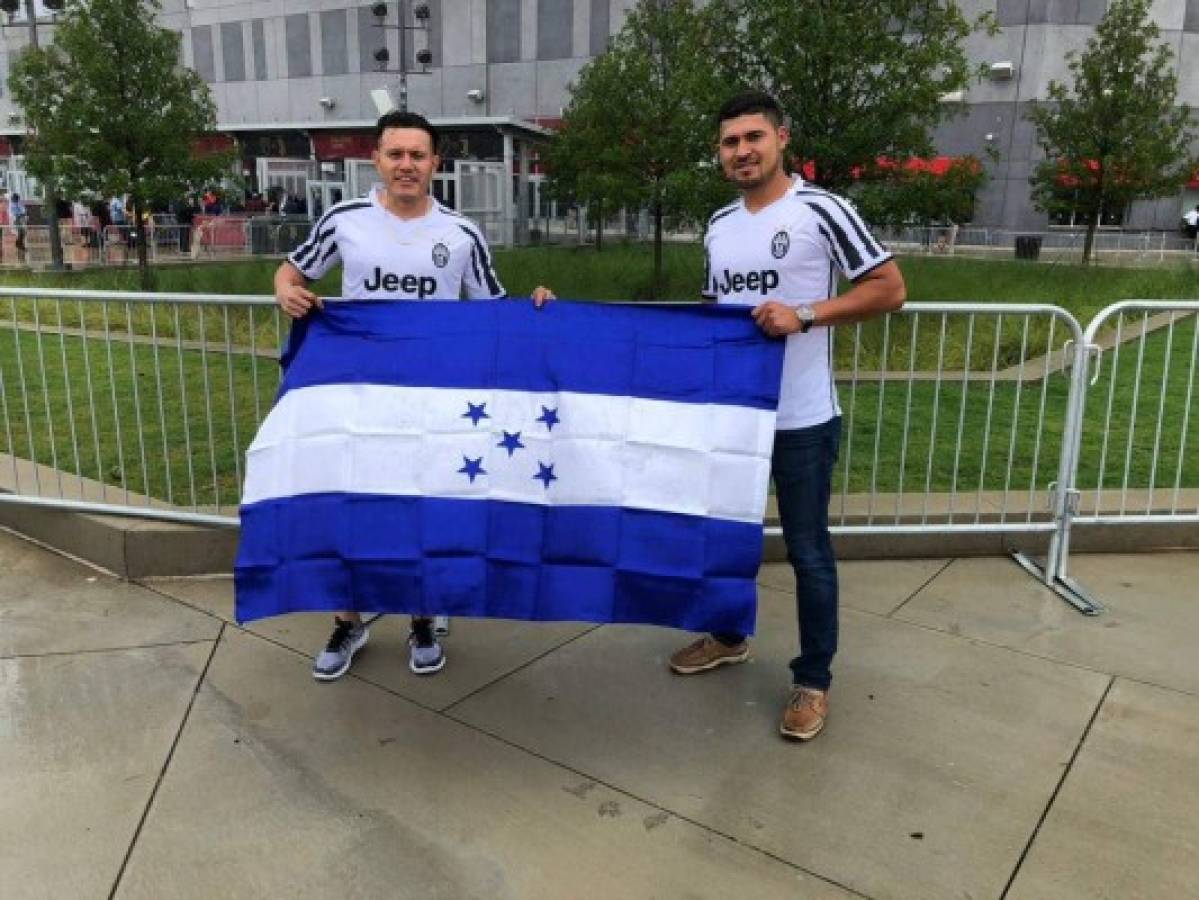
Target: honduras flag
(583,462)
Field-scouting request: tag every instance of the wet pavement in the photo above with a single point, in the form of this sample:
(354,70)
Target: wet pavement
(985,741)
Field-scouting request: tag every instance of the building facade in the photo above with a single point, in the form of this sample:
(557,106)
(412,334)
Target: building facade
(297,84)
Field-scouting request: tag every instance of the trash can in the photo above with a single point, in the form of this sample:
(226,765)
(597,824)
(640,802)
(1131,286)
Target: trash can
(260,236)
(1028,246)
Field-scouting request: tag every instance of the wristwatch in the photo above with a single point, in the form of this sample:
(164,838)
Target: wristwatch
(807,317)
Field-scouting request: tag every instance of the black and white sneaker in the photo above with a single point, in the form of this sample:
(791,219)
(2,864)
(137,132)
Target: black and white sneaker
(441,625)
(427,656)
(346,640)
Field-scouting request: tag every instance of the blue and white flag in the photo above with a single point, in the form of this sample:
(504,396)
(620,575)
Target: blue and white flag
(584,462)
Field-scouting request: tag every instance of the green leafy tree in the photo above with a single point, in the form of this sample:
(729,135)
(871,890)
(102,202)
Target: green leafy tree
(1116,133)
(916,195)
(861,82)
(639,128)
(586,166)
(111,110)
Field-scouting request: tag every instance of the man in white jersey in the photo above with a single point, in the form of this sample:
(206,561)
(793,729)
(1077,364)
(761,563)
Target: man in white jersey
(398,243)
(781,249)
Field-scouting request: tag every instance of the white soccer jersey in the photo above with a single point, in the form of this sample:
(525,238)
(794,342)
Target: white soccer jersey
(791,251)
(441,255)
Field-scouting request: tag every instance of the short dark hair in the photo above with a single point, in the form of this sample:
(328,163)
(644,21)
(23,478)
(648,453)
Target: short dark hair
(398,119)
(747,103)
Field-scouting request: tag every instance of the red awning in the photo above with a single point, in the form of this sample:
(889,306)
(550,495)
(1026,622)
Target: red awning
(335,145)
(208,144)
(937,165)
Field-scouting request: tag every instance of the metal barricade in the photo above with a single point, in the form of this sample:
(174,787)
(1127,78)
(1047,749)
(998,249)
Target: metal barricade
(952,418)
(129,403)
(1136,458)
(966,418)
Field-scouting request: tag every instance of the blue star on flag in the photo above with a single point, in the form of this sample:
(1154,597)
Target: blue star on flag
(472,467)
(511,442)
(475,412)
(545,473)
(549,417)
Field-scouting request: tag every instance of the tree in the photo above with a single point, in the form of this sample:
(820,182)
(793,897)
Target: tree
(1116,133)
(863,83)
(585,165)
(639,130)
(112,111)
(915,194)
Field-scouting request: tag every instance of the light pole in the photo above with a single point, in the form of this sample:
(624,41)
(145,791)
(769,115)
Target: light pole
(420,13)
(54,6)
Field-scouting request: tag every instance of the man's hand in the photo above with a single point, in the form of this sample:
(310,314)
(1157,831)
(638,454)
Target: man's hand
(541,296)
(776,319)
(296,300)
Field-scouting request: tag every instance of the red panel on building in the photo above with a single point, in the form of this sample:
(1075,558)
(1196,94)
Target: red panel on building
(333,145)
(937,165)
(208,144)
(5,148)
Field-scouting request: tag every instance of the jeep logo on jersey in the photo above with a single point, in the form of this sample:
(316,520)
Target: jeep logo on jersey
(763,282)
(441,255)
(423,286)
(780,244)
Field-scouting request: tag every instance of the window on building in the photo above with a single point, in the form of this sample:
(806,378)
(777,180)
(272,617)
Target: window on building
(203,57)
(503,31)
(299,45)
(1073,217)
(233,51)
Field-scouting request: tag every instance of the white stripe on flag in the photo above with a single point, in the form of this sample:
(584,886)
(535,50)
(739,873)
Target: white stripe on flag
(697,459)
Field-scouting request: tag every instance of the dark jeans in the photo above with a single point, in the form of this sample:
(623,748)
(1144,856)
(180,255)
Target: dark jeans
(802,469)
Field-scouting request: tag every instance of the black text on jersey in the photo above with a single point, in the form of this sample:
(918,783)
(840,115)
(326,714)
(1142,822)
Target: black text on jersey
(763,282)
(423,286)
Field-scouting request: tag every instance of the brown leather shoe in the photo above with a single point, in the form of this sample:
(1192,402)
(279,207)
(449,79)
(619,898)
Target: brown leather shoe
(707,653)
(805,713)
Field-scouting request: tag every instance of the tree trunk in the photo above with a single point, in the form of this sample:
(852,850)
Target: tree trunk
(599,225)
(1089,240)
(658,285)
(143,252)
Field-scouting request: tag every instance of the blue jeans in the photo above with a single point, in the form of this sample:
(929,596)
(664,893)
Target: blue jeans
(802,469)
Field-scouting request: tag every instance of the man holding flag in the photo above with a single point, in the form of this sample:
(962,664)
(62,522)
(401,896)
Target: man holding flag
(398,243)
(780,249)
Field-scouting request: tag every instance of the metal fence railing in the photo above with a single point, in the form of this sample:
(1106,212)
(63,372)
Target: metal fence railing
(1115,247)
(957,417)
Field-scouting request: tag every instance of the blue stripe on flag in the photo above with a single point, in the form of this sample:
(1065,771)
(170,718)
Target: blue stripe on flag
(489,558)
(691,354)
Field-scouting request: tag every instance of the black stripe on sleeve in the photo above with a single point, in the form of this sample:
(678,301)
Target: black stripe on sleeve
(720,214)
(332,249)
(834,250)
(474,264)
(868,243)
(493,283)
(304,255)
(887,257)
(848,250)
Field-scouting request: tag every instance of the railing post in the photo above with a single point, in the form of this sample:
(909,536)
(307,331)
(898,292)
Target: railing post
(1065,501)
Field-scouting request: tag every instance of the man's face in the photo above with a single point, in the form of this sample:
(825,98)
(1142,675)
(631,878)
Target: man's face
(751,149)
(406,163)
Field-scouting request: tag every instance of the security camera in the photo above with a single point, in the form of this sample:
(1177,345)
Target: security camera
(327,102)
(475,94)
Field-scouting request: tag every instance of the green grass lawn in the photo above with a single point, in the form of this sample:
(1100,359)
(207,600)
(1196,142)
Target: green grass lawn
(182,436)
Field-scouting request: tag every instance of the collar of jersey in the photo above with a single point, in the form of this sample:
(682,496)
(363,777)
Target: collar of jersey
(377,189)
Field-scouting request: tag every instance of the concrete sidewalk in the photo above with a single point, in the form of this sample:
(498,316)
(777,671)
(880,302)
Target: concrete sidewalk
(985,742)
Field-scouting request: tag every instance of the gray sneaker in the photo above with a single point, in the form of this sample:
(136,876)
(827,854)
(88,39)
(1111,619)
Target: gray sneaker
(441,625)
(346,640)
(427,656)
